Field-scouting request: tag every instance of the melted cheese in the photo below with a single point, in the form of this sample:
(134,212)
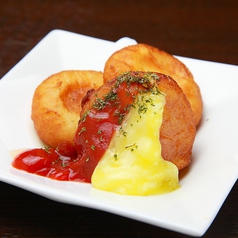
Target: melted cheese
(133,165)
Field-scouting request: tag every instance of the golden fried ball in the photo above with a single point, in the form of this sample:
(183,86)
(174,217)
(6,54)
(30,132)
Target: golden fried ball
(178,127)
(56,104)
(143,57)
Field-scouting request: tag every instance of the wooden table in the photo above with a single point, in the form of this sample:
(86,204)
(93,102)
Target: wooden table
(205,29)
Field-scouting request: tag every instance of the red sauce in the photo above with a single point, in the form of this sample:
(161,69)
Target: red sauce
(94,134)
(92,138)
(56,164)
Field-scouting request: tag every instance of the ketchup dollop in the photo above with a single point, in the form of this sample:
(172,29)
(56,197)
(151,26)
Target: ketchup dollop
(59,164)
(94,133)
(97,127)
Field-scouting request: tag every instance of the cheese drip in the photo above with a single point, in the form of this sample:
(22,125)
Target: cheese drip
(132,164)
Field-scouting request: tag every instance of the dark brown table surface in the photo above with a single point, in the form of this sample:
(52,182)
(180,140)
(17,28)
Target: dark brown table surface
(206,29)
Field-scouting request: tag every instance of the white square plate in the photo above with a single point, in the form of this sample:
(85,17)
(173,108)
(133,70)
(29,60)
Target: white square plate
(214,170)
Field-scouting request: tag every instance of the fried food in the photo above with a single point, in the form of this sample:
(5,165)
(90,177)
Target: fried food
(178,127)
(143,57)
(56,104)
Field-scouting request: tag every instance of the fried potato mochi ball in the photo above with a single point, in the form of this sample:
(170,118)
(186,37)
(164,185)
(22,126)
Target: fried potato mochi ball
(178,127)
(56,104)
(143,57)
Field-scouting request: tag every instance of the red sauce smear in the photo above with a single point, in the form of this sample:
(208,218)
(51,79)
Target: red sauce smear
(56,164)
(92,138)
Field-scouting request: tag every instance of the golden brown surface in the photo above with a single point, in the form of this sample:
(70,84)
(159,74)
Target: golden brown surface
(197,29)
(178,128)
(56,104)
(147,58)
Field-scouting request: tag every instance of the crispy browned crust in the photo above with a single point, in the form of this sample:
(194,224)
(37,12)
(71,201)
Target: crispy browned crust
(178,128)
(56,104)
(142,57)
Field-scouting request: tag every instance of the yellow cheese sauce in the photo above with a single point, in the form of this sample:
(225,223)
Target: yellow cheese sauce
(132,164)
